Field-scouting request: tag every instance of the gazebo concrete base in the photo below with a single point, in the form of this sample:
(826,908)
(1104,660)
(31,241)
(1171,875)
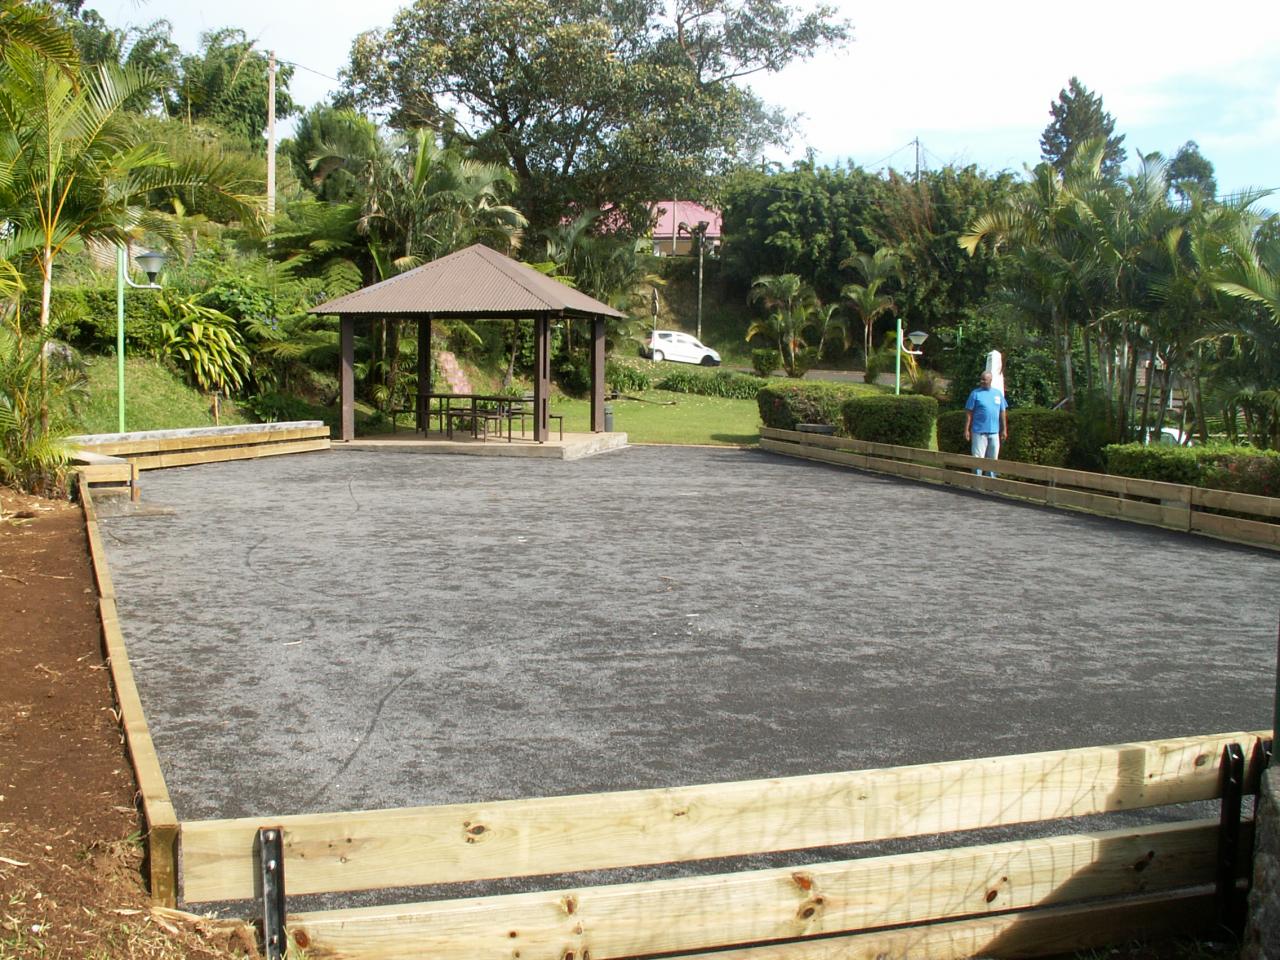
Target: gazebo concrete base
(574,446)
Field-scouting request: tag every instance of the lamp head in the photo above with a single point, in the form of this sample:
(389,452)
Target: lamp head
(917,337)
(151,262)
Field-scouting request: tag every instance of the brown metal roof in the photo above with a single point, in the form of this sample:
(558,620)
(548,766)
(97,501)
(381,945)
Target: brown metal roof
(476,282)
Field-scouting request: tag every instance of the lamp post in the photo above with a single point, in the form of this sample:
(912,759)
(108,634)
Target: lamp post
(151,263)
(917,337)
(699,236)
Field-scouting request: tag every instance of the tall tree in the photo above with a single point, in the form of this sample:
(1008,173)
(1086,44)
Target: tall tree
(1190,171)
(1078,117)
(592,103)
(225,84)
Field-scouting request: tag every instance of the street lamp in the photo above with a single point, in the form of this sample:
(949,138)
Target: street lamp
(151,263)
(699,236)
(917,337)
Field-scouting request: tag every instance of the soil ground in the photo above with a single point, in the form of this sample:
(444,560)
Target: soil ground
(70,855)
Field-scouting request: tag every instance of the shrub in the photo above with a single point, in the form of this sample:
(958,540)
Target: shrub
(1238,469)
(277,407)
(573,373)
(1037,435)
(785,404)
(720,383)
(904,420)
(764,362)
(951,432)
(624,378)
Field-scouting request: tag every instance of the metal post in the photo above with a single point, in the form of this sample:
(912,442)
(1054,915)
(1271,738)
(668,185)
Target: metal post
(120,272)
(271,878)
(702,242)
(897,359)
(1228,898)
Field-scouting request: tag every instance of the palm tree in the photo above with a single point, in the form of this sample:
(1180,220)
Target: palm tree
(865,298)
(793,308)
(25,27)
(76,166)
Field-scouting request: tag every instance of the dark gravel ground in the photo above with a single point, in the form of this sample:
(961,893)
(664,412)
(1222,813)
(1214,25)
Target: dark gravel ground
(351,630)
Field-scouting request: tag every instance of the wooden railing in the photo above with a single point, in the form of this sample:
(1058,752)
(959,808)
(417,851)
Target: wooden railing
(1256,520)
(1021,892)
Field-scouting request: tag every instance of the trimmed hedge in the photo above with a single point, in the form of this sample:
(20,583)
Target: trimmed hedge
(1039,435)
(1036,435)
(904,420)
(1237,469)
(704,383)
(787,403)
(951,432)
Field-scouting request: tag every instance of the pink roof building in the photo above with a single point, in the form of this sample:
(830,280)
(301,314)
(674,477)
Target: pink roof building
(668,236)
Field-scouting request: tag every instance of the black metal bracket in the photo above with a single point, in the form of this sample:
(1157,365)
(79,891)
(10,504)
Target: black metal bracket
(270,851)
(1230,902)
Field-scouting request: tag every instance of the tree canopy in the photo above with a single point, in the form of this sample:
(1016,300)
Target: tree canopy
(591,103)
(1078,117)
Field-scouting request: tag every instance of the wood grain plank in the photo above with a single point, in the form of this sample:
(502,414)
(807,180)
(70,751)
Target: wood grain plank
(189,458)
(442,844)
(1030,933)
(1237,529)
(162,819)
(697,913)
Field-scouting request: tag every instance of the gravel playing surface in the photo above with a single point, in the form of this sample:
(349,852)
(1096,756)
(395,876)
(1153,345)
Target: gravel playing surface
(350,630)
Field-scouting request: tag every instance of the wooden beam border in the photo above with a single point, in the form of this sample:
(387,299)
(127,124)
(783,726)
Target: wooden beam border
(786,904)
(1169,505)
(409,847)
(157,808)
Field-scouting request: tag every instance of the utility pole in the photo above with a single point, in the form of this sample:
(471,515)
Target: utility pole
(916,141)
(271,136)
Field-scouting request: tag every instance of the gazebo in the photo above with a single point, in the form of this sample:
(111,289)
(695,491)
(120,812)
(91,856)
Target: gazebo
(473,284)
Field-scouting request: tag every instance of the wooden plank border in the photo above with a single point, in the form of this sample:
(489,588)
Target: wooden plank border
(410,847)
(162,820)
(697,913)
(1169,505)
(1033,933)
(160,444)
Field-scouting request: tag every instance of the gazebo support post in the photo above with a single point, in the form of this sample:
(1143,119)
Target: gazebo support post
(347,375)
(597,375)
(424,373)
(542,376)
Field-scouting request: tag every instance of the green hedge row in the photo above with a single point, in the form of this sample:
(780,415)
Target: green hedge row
(624,378)
(706,383)
(905,420)
(785,404)
(1238,469)
(1036,435)
(88,317)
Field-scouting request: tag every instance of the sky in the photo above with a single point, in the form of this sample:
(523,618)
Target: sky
(972,82)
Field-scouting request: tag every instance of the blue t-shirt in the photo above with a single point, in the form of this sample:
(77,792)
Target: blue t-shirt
(986,404)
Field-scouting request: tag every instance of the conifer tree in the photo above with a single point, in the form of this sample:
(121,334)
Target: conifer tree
(1078,116)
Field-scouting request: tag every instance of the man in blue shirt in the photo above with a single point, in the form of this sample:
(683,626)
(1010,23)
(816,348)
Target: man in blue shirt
(986,420)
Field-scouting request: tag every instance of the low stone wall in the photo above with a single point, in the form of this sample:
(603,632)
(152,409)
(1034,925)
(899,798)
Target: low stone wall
(1262,935)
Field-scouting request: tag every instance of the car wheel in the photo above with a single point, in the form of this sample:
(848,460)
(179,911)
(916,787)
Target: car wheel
(657,356)
(708,361)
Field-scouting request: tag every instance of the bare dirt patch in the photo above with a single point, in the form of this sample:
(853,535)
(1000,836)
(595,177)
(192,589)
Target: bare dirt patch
(70,846)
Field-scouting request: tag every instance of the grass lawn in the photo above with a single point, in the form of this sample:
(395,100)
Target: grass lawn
(666,417)
(155,399)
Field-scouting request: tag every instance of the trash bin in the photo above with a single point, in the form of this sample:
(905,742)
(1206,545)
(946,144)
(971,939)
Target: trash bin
(608,418)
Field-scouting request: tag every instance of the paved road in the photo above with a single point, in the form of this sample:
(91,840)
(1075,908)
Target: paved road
(351,630)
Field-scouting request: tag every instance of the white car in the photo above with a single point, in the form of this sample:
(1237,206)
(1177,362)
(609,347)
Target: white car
(674,345)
